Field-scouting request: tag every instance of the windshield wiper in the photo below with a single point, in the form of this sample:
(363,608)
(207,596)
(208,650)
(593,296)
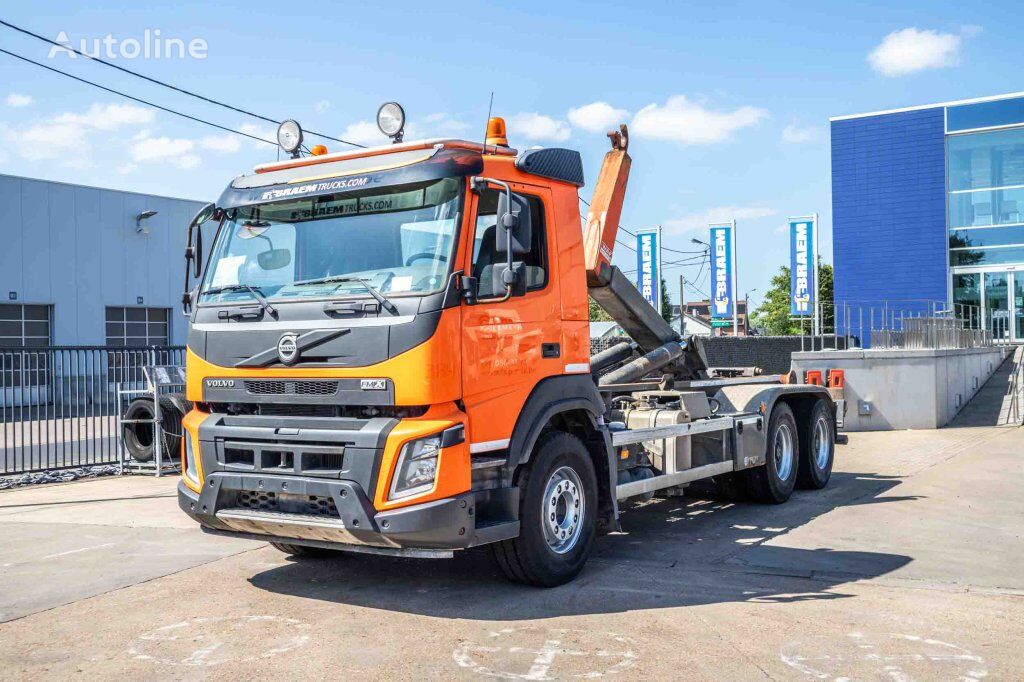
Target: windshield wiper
(342,279)
(255,291)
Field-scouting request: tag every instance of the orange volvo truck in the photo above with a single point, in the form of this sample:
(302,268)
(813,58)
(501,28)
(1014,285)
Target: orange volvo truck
(389,352)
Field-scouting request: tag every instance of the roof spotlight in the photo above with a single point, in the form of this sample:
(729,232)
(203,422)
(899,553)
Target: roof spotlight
(289,136)
(391,120)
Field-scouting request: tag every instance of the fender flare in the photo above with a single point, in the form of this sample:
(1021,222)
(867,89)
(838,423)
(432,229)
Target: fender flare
(550,397)
(556,395)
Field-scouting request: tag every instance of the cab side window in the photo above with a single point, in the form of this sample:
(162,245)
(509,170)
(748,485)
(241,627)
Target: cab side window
(485,252)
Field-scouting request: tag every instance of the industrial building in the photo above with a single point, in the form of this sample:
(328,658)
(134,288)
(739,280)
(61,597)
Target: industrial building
(83,266)
(928,205)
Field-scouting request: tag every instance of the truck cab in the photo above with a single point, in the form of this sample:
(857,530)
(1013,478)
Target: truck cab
(358,348)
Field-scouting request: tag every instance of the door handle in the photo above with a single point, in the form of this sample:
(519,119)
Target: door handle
(550,350)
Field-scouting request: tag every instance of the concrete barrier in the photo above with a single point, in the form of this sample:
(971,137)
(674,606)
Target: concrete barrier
(889,389)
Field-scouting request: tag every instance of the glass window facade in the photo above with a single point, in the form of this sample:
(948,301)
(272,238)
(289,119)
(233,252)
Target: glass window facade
(985,174)
(1000,112)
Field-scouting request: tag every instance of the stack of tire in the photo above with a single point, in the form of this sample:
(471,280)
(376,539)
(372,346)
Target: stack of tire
(139,430)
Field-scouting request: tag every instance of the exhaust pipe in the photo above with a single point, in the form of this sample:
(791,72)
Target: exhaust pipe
(639,368)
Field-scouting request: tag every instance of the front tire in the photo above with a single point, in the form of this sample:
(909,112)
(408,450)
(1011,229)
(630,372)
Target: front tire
(817,448)
(557,514)
(773,482)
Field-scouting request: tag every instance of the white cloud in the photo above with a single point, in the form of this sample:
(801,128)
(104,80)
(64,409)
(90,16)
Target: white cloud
(596,116)
(364,132)
(688,122)
(534,126)
(262,131)
(699,220)
(321,106)
(796,134)
(227,143)
(176,151)
(108,116)
(911,50)
(127,168)
(436,125)
(17,100)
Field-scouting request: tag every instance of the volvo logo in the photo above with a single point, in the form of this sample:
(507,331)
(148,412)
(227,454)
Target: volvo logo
(220,383)
(288,348)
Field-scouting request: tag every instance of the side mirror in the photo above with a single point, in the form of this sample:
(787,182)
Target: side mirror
(514,228)
(194,253)
(509,278)
(274,259)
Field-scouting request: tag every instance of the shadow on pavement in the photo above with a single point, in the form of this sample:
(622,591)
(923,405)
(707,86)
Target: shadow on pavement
(683,551)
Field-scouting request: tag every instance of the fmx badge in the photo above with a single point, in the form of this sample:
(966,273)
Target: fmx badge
(373,384)
(288,348)
(722,270)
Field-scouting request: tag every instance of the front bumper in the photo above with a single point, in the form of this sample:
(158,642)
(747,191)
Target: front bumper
(250,505)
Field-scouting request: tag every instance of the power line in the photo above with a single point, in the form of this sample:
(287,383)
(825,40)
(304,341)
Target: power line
(163,83)
(633,234)
(135,99)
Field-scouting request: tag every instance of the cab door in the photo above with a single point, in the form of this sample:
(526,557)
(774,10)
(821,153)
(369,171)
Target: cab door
(508,346)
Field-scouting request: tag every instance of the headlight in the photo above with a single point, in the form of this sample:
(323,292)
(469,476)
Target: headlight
(289,136)
(190,460)
(416,468)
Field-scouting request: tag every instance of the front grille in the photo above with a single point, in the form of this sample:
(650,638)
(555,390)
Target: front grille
(261,501)
(289,387)
(313,505)
(281,410)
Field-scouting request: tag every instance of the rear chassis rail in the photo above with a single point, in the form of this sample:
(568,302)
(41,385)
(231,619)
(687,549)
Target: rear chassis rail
(743,446)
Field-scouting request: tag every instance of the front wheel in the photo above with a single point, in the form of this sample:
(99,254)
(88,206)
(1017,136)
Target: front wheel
(557,514)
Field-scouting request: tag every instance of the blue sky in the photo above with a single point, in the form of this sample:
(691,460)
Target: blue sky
(728,102)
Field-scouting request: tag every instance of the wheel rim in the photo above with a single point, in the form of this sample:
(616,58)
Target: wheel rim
(562,510)
(821,443)
(783,452)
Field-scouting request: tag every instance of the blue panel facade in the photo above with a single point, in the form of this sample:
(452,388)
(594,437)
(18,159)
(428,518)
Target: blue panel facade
(889,207)
(76,248)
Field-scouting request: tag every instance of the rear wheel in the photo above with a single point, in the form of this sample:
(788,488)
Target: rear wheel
(773,483)
(304,551)
(557,514)
(817,448)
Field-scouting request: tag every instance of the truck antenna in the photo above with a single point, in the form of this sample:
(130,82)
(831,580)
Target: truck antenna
(489,108)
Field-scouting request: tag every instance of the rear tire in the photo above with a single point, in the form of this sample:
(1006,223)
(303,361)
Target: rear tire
(773,482)
(304,551)
(817,448)
(557,514)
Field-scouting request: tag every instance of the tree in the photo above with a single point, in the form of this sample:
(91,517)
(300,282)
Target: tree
(597,313)
(666,306)
(773,315)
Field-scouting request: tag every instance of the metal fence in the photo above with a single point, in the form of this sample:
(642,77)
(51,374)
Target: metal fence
(59,405)
(911,324)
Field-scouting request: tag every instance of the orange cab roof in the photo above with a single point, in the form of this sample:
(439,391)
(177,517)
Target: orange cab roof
(385,149)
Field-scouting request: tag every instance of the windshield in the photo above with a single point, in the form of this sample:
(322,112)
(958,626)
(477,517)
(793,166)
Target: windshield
(397,240)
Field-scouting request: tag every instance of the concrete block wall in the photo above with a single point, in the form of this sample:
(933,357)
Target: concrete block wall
(907,389)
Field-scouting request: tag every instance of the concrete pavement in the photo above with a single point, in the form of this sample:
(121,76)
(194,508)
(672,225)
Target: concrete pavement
(909,566)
